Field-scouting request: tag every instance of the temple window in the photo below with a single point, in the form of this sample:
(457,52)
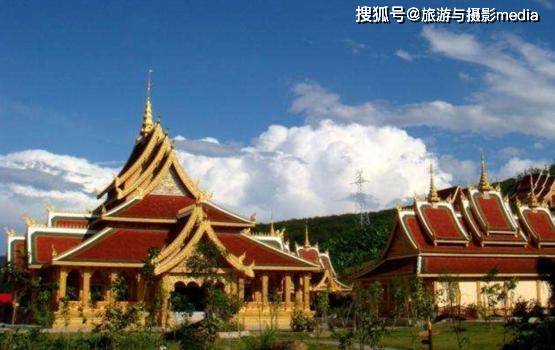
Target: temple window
(99,282)
(73,288)
(249,292)
(187,298)
(125,287)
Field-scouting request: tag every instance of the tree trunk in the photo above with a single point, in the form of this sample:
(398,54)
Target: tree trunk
(14,310)
(430,345)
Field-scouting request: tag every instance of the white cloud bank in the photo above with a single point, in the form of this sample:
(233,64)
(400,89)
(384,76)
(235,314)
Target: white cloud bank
(295,172)
(308,170)
(519,95)
(31,179)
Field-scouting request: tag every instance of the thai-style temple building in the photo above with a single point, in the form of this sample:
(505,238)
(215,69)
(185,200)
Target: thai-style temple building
(464,233)
(152,203)
(542,184)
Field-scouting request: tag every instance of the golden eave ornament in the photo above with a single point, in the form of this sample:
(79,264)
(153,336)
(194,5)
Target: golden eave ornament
(532,198)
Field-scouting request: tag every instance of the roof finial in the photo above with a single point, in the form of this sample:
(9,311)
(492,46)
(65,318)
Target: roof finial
(532,198)
(484,184)
(306,241)
(272,229)
(432,194)
(147,116)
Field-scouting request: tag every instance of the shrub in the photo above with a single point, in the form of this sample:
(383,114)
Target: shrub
(520,309)
(471,311)
(536,310)
(301,322)
(263,341)
(345,338)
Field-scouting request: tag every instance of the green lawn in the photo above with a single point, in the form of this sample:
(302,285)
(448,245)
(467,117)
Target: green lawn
(479,336)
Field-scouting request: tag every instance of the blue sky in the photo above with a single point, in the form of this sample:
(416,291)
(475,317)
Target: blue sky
(73,85)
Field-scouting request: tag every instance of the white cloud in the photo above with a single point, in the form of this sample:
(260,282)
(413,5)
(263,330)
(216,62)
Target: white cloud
(308,170)
(354,46)
(31,179)
(464,172)
(404,55)
(511,152)
(538,145)
(465,76)
(519,94)
(517,165)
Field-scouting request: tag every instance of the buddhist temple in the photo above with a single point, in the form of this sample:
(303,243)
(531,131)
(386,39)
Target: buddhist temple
(465,233)
(152,203)
(543,185)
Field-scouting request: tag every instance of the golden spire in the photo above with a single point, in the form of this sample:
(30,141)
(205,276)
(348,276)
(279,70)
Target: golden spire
(484,184)
(432,194)
(272,229)
(147,116)
(306,241)
(532,199)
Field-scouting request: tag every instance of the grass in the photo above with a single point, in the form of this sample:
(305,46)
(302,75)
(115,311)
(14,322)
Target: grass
(480,336)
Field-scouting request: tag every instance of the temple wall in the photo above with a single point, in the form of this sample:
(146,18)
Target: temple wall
(469,292)
(544,293)
(526,290)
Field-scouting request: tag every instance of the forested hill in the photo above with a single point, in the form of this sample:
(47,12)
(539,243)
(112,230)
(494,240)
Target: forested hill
(350,244)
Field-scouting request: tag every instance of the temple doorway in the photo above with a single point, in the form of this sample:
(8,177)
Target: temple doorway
(188,297)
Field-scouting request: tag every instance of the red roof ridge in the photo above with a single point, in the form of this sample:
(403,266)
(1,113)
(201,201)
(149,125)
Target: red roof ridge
(274,249)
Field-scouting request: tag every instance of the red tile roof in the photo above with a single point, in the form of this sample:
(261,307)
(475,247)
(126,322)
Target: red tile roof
(121,245)
(157,206)
(541,223)
(309,254)
(479,265)
(257,252)
(442,222)
(216,214)
(425,245)
(44,242)
(491,210)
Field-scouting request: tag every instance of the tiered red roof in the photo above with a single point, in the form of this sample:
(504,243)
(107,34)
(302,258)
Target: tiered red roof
(540,224)
(259,253)
(495,237)
(121,245)
(45,244)
(543,185)
(440,221)
(490,210)
(157,206)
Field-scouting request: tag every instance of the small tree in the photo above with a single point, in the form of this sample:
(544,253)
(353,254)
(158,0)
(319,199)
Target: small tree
(369,325)
(220,307)
(116,317)
(506,294)
(424,307)
(450,296)
(490,292)
(152,303)
(29,292)
(322,308)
